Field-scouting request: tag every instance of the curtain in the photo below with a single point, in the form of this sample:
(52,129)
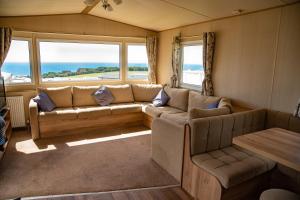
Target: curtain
(5,40)
(151,46)
(176,62)
(208,55)
(297,111)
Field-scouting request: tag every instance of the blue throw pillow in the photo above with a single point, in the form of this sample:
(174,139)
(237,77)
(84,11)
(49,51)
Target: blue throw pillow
(213,105)
(44,102)
(161,98)
(103,96)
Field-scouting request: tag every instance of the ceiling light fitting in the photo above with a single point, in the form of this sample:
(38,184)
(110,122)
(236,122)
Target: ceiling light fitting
(107,6)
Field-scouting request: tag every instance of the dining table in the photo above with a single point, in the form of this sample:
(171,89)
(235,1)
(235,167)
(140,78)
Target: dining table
(277,144)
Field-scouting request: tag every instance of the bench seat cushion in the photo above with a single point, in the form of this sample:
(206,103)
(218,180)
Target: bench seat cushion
(124,108)
(233,165)
(92,112)
(58,114)
(157,111)
(178,118)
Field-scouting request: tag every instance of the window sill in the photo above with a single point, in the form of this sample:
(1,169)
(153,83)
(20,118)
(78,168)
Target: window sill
(191,87)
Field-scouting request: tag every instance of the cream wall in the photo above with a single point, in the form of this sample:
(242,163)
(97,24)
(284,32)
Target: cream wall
(75,27)
(256,58)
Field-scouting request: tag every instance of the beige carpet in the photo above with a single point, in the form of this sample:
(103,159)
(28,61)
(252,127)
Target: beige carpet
(85,163)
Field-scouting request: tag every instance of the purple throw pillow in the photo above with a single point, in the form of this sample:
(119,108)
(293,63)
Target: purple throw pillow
(161,98)
(44,102)
(103,96)
(213,105)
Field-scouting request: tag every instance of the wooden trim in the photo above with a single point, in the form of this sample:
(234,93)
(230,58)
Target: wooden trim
(87,9)
(147,121)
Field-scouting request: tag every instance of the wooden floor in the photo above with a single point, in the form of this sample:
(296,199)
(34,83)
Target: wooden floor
(166,193)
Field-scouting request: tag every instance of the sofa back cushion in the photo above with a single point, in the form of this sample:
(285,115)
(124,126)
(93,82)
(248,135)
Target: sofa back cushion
(282,120)
(145,92)
(121,93)
(178,97)
(212,133)
(61,96)
(83,96)
(196,100)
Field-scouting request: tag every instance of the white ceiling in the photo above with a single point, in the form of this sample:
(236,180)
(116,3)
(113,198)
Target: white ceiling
(150,14)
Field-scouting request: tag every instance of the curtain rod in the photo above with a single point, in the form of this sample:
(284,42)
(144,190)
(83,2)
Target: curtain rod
(74,34)
(192,36)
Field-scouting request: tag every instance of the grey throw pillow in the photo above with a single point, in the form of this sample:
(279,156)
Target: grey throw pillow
(103,96)
(161,98)
(44,102)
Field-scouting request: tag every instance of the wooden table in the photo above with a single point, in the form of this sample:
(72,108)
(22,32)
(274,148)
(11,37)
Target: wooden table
(277,144)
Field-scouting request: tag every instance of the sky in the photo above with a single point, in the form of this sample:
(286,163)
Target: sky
(192,55)
(76,52)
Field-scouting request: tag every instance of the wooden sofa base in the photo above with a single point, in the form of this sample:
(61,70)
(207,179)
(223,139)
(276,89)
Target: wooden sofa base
(78,126)
(202,185)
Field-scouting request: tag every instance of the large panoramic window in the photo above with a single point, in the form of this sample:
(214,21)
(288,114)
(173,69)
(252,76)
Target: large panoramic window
(17,66)
(192,73)
(74,61)
(137,62)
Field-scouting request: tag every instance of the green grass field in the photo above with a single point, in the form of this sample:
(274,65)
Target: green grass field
(116,73)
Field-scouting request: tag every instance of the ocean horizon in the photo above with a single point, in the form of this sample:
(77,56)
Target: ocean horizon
(22,69)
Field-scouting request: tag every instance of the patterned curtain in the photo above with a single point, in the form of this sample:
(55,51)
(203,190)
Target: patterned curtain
(208,55)
(176,62)
(5,40)
(151,45)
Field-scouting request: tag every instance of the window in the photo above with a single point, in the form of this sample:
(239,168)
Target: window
(74,61)
(192,69)
(17,66)
(137,62)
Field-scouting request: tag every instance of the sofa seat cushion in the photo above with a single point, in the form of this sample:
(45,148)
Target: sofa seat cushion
(157,111)
(178,118)
(124,108)
(91,112)
(233,165)
(145,92)
(58,114)
(278,194)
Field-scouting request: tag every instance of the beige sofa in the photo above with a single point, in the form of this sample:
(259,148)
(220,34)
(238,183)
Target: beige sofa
(78,112)
(230,172)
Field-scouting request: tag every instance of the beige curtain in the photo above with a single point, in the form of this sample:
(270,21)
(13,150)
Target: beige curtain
(176,62)
(5,40)
(151,45)
(208,55)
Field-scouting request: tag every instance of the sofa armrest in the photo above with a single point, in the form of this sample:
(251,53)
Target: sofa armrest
(33,116)
(167,146)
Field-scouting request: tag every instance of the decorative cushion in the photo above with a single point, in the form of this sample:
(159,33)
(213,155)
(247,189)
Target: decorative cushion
(103,96)
(145,92)
(44,102)
(225,102)
(161,99)
(178,97)
(233,165)
(121,93)
(83,95)
(61,96)
(200,113)
(213,105)
(196,100)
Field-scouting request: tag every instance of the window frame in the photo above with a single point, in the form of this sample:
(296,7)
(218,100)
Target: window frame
(126,62)
(30,51)
(41,82)
(182,84)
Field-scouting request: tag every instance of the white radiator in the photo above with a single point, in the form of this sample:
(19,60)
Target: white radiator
(16,105)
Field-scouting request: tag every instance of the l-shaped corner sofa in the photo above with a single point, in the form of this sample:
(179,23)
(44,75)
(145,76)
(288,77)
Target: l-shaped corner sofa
(78,112)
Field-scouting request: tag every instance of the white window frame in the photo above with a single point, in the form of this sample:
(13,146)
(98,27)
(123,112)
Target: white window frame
(126,62)
(38,40)
(30,62)
(182,84)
